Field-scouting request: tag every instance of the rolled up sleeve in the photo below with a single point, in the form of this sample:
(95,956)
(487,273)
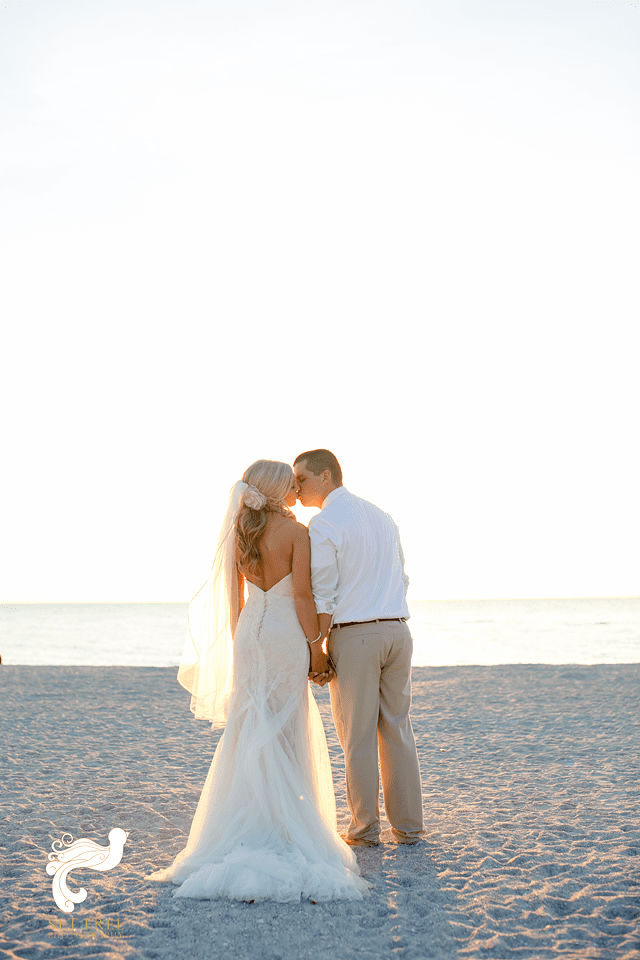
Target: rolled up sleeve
(405,578)
(324,566)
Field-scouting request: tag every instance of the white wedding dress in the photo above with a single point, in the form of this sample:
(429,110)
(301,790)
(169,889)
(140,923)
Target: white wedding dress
(265,825)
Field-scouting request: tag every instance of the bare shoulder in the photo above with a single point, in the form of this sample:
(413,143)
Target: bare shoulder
(300,532)
(286,528)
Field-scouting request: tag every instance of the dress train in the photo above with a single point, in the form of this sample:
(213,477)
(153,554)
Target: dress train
(265,825)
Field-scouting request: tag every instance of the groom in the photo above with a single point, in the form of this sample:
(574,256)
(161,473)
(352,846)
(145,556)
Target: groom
(359,587)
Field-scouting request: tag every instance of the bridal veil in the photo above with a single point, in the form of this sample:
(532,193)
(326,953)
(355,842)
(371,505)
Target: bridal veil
(206,669)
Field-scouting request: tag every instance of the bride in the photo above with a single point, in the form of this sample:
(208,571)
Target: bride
(265,825)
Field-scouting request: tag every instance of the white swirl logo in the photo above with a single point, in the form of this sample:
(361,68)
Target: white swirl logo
(70,854)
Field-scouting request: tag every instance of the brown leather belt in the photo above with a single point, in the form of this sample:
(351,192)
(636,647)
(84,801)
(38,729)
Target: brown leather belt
(362,623)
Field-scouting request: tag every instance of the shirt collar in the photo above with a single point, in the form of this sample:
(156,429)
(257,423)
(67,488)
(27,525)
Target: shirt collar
(332,496)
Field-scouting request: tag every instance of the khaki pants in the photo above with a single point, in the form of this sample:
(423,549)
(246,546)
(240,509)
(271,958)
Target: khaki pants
(370,698)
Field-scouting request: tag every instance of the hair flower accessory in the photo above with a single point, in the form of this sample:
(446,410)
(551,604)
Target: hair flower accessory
(254,498)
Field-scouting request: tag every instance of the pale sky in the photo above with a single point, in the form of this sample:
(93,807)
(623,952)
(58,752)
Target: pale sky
(403,230)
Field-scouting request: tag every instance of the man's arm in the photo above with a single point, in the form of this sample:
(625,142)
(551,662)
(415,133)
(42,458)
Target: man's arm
(324,569)
(324,621)
(324,574)
(304,603)
(405,578)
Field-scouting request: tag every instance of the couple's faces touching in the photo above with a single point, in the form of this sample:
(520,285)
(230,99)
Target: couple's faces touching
(308,488)
(291,498)
(311,489)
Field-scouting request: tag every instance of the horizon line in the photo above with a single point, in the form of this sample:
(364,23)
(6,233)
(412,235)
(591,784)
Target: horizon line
(27,603)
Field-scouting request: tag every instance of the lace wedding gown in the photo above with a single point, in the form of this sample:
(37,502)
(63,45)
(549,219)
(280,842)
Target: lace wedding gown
(265,825)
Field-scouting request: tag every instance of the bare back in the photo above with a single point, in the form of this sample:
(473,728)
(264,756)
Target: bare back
(276,552)
(285,549)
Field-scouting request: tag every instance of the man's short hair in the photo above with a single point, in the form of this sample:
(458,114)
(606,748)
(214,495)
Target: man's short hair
(319,460)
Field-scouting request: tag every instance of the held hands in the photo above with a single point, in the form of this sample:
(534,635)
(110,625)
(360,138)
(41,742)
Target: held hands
(321,667)
(320,677)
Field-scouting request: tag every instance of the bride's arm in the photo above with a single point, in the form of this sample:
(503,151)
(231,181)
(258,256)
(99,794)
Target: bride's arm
(240,584)
(303,597)
(240,592)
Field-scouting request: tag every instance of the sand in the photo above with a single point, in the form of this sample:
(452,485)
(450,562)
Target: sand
(531,778)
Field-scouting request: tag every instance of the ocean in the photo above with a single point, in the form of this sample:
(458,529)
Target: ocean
(445,632)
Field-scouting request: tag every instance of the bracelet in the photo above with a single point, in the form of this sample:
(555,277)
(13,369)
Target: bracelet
(319,637)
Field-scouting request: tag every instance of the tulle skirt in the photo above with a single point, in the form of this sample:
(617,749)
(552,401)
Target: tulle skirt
(265,825)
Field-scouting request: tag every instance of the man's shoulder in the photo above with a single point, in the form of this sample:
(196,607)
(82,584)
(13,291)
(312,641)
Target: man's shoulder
(343,502)
(348,506)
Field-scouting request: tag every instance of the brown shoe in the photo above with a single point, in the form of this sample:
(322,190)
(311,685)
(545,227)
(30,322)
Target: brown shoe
(355,842)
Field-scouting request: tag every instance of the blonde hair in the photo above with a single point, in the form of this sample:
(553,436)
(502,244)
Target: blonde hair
(273,479)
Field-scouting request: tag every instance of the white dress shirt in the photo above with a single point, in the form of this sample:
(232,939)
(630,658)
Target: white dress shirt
(357,564)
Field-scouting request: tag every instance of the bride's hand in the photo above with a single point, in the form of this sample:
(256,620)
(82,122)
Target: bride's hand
(320,668)
(321,678)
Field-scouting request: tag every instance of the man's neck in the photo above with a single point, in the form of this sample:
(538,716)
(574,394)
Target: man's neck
(329,492)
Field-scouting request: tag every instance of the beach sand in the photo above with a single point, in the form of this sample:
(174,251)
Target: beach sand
(531,779)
